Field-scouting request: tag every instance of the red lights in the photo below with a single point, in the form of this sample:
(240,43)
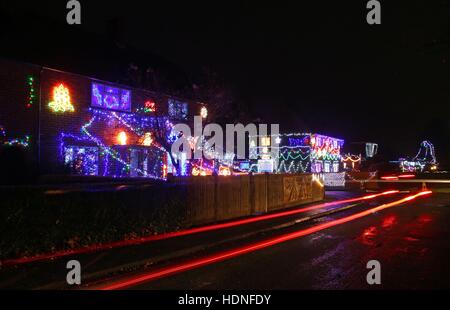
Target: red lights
(152,238)
(396,178)
(149,106)
(197,263)
(390,178)
(424,193)
(368,235)
(407,176)
(381,194)
(390,192)
(389,221)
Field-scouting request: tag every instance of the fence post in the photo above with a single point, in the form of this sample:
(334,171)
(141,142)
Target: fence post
(216,189)
(266,179)
(252,194)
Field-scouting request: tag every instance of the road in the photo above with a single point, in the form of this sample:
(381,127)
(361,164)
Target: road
(410,240)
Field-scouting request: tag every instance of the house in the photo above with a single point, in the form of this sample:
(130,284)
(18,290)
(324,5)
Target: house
(297,153)
(84,126)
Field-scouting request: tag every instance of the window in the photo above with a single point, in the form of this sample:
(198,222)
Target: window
(265,165)
(336,166)
(178,109)
(327,167)
(317,166)
(81,160)
(265,141)
(111,98)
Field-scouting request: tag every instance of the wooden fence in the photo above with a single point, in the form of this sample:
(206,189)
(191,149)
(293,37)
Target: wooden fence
(212,198)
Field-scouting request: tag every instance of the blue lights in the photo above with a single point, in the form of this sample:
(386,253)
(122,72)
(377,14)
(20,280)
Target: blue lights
(178,109)
(110,98)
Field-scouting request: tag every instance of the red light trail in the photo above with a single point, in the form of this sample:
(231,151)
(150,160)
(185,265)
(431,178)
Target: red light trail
(389,178)
(395,178)
(407,176)
(251,248)
(124,243)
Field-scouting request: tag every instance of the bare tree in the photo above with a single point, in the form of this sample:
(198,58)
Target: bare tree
(162,130)
(216,95)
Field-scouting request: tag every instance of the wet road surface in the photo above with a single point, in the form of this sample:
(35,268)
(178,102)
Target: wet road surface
(412,243)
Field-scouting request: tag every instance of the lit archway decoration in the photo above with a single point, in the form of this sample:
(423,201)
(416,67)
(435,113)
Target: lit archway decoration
(61,100)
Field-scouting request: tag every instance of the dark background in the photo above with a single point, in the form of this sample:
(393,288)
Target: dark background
(308,67)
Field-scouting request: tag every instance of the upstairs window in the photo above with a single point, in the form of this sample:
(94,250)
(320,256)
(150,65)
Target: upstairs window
(111,98)
(178,109)
(265,141)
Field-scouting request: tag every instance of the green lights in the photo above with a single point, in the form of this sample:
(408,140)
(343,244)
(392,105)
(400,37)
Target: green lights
(31,92)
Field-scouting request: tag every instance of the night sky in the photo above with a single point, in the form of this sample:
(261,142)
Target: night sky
(310,68)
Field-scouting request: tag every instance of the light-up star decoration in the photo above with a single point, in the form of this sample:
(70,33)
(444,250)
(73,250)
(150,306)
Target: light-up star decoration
(61,100)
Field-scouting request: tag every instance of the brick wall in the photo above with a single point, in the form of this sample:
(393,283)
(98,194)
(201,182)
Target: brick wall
(17,119)
(80,87)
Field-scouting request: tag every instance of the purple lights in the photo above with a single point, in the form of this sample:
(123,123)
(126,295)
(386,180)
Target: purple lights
(111,98)
(299,141)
